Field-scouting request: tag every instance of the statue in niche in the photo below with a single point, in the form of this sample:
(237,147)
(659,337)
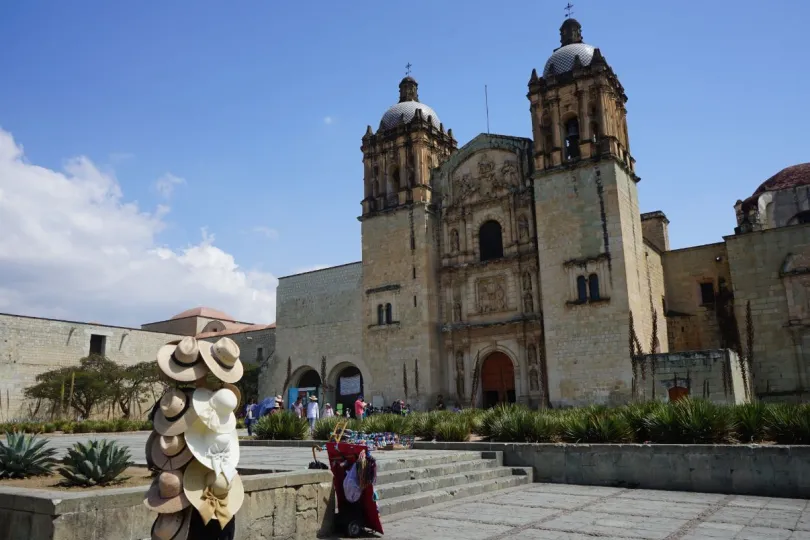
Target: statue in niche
(523,227)
(454,241)
(532,354)
(528,303)
(509,173)
(457,312)
(527,281)
(460,374)
(534,381)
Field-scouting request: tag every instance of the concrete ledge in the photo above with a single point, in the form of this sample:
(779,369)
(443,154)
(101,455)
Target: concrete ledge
(772,471)
(275,444)
(284,504)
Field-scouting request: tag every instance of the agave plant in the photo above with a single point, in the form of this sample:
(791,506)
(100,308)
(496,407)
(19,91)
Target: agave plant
(95,463)
(283,425)
(25,455)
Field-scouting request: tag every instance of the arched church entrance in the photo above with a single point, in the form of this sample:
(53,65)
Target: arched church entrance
(677,393)
(349,384)
(497,380)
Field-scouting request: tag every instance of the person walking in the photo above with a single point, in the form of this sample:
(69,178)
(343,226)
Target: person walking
(328,412)
(298,407)
(360,408)
(250,417)
(313,413)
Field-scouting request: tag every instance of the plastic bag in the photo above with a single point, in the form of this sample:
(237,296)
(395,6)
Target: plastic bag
(351,486)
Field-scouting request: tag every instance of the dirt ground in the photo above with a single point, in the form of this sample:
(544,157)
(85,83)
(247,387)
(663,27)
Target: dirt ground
(138,476)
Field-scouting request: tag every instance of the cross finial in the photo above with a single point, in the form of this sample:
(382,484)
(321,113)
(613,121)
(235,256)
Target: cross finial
(569,10)
(408,67)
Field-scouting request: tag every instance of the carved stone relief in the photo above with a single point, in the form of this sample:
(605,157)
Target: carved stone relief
(492,294)
(534,381)
(459,374)
(532,354)
(465,186)
(527,281)
(454,247)
(523,227)
(457,312)
(528,303)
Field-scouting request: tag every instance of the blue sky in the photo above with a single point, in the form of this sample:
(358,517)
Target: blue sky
(260,106)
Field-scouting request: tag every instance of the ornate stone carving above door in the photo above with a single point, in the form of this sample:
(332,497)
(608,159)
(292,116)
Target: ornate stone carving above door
(491,294)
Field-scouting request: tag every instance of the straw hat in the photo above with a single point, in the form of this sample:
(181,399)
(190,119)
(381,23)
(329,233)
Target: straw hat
(172,526)
(313,398)
(222,358)
(216,451)
(174,413)
(168,452)
(148,448)
(166,494)
(181,361)
(235,390)
(215,409)
(211,493)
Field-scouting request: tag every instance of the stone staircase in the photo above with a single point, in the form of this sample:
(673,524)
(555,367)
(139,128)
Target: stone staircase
(412,483)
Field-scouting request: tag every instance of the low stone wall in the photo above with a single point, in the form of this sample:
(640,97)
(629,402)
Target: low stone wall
(289,505)
(773,471)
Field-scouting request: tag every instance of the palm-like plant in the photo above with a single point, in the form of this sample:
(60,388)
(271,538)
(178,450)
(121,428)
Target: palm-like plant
(96,463)
(25,455)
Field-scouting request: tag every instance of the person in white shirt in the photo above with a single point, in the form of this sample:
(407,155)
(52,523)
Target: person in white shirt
(328,412)
(313,413)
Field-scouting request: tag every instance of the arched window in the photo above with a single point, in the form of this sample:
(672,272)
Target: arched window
(388,314)
(490,241)
(593,287)
(572,139)
(582,289)
(800,218)
(595,130)
(395,181)
(380,314)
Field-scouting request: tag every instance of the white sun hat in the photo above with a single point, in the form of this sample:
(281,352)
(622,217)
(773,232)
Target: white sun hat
(216,451)
(222,358)
(215,408)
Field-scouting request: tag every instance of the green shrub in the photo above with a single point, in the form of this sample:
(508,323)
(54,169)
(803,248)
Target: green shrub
(594,425)
(387,423)
(788,424)
(452,429)
(240,424)
(282,426)
(474,418)
(69,427)
(95,463)
(25,455)
(751,422)
(48,427)
(636,415)
(324,428)
(489,417)
(691,421)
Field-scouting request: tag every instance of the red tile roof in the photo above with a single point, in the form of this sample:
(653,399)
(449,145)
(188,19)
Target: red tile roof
(206,312)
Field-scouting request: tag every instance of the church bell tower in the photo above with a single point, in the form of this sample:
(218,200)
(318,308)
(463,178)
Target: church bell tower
(590,248)
(399,246)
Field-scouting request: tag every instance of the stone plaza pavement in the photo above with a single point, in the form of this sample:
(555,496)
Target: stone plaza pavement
(553,511)
(567,512)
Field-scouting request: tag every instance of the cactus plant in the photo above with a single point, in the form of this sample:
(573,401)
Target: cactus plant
(25,455)
(95,463)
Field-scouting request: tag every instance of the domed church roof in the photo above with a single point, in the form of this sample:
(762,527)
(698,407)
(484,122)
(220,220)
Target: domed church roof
(562,59)
(404,111)
(787,178)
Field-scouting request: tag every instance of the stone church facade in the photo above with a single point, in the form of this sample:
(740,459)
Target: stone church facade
(524,268)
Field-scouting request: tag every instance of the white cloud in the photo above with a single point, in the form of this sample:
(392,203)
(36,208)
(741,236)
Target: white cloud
(328,120)
(267,232)
(165,184)
(73,247)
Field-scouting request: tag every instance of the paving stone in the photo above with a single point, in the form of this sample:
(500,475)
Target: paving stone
(538,534)
(665,509)
(542,500)
(720,531)
(672,496)
(629,526)
(420,528)
(497,514)
(567,489)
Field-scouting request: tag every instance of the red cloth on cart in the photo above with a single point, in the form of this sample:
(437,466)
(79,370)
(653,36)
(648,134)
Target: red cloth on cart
(338,453)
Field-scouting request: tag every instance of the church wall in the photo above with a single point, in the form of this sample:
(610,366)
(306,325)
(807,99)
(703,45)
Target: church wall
(30,346)
(693,324)
(188,326)
(656,291)
(399,266)
(318,314)
(587,345)
(781,354)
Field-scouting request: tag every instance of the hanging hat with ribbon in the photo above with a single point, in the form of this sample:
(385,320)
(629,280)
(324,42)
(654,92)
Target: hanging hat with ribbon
(212,494)
(222,358)
(173,526)
(174,413)
(166,494)
(215,408)
(216,451)
(169,452)
(181,360)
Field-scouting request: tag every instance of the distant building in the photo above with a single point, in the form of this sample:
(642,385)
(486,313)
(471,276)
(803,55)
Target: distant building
(531,258)
(30,346)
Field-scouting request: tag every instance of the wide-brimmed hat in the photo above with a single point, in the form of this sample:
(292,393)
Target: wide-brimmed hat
(233,388)
(166,494)
(212,494)
(222,358)
(173,526)
(168,452)
(216,451)
(215,408)
(313,398)
(174,413)
(181,360)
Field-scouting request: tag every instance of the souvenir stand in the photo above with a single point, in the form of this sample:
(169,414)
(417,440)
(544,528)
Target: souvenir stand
(194,445)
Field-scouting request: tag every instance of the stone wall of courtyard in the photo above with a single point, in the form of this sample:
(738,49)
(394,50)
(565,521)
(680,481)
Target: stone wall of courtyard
(318,314)
(30,346)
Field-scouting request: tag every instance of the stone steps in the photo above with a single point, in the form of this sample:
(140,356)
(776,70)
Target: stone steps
(413,483)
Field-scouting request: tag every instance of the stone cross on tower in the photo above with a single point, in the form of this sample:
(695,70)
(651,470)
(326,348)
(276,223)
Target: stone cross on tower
(408,67)
(569,10)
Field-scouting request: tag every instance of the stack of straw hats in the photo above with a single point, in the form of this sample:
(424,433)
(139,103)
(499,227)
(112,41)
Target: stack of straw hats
(194,445)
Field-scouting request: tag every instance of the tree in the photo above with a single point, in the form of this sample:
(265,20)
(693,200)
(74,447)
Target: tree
(93,382)
(132,382)
(249,383)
